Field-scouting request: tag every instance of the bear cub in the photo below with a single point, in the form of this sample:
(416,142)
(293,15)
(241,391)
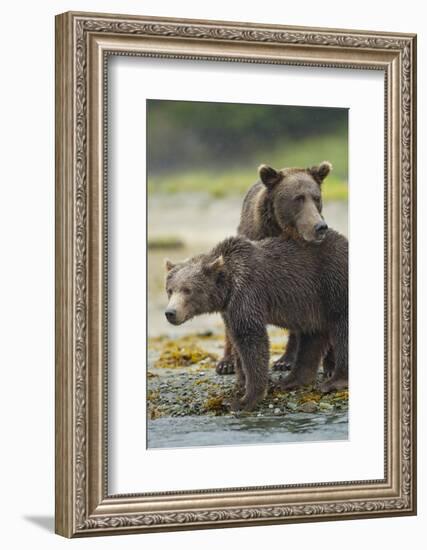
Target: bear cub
(274,281)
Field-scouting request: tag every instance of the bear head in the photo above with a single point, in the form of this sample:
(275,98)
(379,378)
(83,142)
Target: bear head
(194,286)
(296,199)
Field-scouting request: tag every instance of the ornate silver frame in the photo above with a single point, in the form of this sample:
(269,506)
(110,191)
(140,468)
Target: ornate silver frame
(83,42)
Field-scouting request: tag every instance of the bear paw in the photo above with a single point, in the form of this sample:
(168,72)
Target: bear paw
(239,405)
(243,404)
(282,365)
(333,385)
(235,404)
(290,382)
(225,366)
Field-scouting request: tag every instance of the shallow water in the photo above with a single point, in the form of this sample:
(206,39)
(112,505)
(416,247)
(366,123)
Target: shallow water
(192,431)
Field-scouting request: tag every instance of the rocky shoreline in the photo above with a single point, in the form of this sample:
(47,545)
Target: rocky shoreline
(182,382)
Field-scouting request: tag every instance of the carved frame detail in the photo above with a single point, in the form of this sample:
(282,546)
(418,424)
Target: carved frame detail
(83,42)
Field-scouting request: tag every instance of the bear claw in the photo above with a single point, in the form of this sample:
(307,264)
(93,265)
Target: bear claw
(282,365)
(225,366)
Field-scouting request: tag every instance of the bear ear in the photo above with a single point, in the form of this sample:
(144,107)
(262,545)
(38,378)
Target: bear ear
(216,265)
(169,265)
(320,172)
(269,176)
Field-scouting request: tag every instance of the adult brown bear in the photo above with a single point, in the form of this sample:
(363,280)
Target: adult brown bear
(275,281)
(285,202)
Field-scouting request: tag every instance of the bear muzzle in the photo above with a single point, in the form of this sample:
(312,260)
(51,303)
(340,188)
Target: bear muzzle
(171,316)
(320,230)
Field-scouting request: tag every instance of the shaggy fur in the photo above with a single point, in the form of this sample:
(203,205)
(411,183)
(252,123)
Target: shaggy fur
(275,281)
(285,202)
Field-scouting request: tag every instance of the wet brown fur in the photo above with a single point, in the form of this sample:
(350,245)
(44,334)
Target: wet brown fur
(275,281)
(269,210)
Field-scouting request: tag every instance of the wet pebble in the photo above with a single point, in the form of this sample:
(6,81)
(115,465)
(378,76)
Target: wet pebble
(184,392)
(326,407)
(309,407)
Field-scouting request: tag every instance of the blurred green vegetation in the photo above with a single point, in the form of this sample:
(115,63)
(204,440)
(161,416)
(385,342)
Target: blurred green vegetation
(167,242)
(237,180)
(216,148)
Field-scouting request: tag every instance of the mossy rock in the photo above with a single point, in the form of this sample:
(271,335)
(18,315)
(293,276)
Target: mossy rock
(310,396)
(215,403)
(174,355)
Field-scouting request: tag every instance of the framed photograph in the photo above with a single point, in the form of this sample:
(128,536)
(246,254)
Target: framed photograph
(235,274)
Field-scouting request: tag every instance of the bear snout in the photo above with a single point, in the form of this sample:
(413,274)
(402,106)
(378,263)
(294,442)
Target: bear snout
(171,315)
(320,229)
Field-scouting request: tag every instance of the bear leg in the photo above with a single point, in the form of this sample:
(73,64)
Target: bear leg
(251,344)
(339,378)
(310,352)
(287,361)
(226,365)
(329,363)
(240,376)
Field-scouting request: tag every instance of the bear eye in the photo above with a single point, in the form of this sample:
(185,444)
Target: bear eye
(299,198)
(186,290)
